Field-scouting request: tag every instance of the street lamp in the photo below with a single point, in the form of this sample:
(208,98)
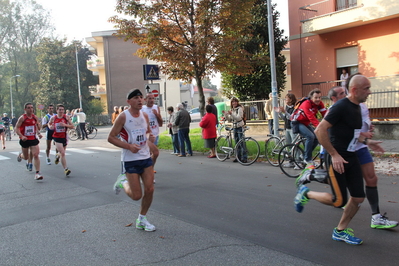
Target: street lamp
(12,107)
(77,70)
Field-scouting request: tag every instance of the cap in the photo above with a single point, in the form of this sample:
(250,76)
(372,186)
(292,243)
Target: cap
(134,93)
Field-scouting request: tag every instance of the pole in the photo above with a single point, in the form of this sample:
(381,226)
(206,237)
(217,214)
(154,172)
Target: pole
(272,66)
(12,105)
(77,71)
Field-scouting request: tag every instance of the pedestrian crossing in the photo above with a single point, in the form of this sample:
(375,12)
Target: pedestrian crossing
(70,151)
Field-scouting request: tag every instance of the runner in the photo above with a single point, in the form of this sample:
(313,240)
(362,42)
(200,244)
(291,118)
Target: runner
(342,126)
(27,128)
(133,127)
(59,124)
(49,135)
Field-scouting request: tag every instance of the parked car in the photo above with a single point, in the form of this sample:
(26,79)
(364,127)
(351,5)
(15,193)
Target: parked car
(195,114)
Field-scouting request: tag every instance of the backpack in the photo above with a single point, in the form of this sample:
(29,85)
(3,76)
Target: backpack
(297,110)
(244,115)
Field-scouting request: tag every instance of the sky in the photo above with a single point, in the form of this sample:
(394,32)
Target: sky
(77,19)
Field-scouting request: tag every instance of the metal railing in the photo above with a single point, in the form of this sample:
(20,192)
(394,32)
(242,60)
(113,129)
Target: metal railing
(324,8)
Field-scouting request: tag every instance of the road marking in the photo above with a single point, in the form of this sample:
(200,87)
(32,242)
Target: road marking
(104,149)
(52,152)
(3,157)
(18,152)
(80,151)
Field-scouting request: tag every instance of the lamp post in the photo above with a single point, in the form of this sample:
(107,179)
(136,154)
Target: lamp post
(12,106)
(77,70)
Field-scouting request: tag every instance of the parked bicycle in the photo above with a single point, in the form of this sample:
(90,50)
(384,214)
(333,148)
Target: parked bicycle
(273,146)
(247,145)
(291,158)
(75,134)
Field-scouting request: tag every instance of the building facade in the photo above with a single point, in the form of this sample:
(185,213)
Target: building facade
(327,37)
(120,70)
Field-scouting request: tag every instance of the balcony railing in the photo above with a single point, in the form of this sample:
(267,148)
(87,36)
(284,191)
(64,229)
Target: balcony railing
(383,101)
(325,7)
(99,89)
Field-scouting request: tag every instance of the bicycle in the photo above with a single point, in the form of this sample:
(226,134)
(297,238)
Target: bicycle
(291,157)
(7,132)
(273,146)
(74,133)
(247,145)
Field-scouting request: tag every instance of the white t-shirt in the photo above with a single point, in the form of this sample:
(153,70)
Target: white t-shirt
(153,119)
(81,117)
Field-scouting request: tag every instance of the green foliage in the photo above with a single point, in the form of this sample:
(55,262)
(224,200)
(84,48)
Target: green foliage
(257,85)
(58,80)
(190,39)
(95,107)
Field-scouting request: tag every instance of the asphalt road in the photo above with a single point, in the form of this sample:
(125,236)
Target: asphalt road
(206,212)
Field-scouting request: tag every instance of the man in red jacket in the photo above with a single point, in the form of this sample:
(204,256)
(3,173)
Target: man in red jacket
(310,108)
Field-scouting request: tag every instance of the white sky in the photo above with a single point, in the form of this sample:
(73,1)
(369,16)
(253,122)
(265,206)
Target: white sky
(77,19)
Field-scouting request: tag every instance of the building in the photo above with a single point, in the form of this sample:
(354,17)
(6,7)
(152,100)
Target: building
(120,70)
(329,36)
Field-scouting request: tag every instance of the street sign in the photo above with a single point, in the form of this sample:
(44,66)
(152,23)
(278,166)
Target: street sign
(151,72)
(152,87)
(155,93)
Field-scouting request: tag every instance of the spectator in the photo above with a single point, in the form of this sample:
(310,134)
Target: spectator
(209,130)
(114,114)
(211,102)
(173,131)
(285,114)
(183,121)
(81,118)
(270,114)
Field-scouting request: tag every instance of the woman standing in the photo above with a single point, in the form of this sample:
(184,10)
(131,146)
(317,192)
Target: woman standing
(173,131)
(285,114)
(236,116)
(207,124)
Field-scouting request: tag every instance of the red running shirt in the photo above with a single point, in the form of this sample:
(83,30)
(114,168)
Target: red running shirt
(60,131)
(28,127)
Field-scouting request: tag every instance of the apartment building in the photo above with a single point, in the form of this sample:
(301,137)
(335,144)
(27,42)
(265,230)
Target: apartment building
(327,37)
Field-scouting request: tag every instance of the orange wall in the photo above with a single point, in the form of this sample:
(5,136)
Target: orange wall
(378,52)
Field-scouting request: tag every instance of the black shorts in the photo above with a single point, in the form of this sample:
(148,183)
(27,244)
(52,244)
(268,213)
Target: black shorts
(61,140)
(28,143)
(351,179)
(137,167)
(49,134)
(1,130)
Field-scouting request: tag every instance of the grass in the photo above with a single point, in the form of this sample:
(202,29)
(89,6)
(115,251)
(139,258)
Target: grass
(197,142)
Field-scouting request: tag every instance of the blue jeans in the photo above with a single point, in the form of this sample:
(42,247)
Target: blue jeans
(175,142)
(241,151)
(270,123)
(289,136)
(184,139)
(311,140)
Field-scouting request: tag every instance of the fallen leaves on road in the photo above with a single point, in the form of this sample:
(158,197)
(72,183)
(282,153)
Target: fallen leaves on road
(129,225)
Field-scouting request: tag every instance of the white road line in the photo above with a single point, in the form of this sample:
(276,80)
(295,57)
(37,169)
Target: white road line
(105,149)
(52,152)
(80,151)
(18,152)
(3,158)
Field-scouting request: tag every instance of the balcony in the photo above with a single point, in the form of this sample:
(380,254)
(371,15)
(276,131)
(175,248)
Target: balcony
(95,63)
(98,90)
(332,15)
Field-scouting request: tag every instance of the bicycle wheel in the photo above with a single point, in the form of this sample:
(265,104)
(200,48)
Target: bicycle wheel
(272,147)
(223,148)
(247,151)
(290,160)
(8,135)
(92,132)
(315,153)
(73,134)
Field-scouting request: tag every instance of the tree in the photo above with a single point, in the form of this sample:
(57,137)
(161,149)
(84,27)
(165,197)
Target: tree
(190,38)
(58,80)
(257,85)
(23,24)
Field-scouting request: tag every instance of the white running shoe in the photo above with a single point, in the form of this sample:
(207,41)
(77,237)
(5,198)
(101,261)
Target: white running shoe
(379,221)
(143,224)
(48,161)
(118,186)
(38,176)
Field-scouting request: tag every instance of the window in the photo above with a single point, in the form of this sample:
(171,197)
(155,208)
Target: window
(347,59)
(344,4)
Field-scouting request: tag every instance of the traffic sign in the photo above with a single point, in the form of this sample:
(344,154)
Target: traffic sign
(151,72)
(155,93)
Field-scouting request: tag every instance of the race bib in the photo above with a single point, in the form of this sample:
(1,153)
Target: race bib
(30,131)
(139,136)
(354,141)
(59,128)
